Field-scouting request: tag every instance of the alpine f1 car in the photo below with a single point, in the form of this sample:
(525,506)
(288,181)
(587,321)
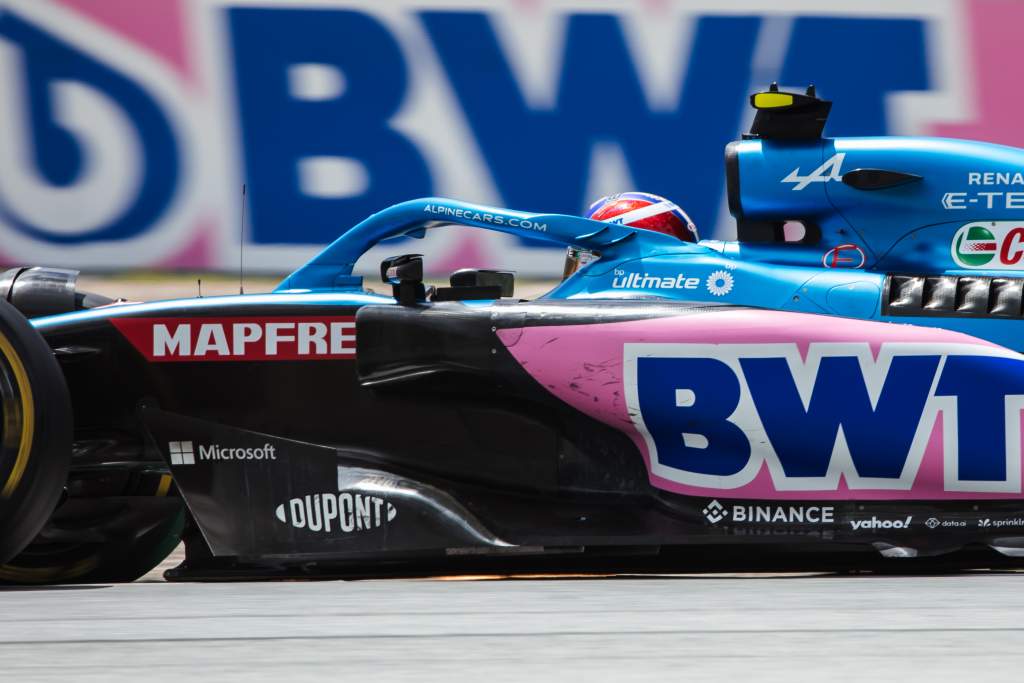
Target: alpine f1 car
(843,384)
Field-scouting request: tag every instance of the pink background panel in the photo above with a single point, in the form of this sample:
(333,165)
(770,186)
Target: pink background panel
(582,365)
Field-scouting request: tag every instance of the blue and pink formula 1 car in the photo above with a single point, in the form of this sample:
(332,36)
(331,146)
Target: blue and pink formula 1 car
(840,387)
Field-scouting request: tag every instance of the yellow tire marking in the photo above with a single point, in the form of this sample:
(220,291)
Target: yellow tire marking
(10,572)
(28,418)
(164,486)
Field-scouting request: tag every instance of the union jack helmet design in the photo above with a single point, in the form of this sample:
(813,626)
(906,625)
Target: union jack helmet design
(644,210)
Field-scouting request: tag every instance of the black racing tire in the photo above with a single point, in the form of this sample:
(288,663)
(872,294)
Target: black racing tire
(35,432)
(136,535)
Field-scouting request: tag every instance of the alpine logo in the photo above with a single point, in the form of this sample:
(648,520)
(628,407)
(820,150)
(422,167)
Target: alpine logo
(875,523)
(996,245)
(342,512)
(828,171)
(241,339)
(183,453)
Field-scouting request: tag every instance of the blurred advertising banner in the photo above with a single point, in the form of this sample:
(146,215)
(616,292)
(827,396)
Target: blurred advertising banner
(127,127)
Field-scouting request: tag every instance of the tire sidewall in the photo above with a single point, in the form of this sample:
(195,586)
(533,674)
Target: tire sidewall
(32,482)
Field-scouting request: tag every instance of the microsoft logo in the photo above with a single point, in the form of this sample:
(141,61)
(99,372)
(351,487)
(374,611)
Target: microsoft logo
(181,453)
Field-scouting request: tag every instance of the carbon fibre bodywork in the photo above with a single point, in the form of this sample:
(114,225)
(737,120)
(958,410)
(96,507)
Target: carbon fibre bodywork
(435,446)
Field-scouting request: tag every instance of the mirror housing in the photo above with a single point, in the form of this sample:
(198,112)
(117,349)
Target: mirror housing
(405,268)
(405,275)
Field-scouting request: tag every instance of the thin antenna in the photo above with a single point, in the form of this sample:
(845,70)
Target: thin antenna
(199,285)
(241,245)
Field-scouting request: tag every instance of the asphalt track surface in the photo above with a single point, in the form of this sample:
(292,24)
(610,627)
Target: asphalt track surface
(690,628)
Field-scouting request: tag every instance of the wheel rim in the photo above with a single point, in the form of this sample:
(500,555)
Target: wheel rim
(18,416)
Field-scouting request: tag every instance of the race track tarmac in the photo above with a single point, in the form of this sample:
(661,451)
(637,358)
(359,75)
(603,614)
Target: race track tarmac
(966,627)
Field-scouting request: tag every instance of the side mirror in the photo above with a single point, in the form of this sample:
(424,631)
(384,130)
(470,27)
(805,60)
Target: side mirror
(405,275)
(405,268)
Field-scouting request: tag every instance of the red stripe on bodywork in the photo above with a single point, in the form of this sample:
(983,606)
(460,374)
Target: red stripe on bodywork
(163,340)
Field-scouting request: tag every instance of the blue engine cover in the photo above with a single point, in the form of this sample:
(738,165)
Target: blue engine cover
(910,227)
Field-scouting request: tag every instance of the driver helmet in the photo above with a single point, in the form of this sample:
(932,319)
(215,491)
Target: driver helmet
(638,210)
